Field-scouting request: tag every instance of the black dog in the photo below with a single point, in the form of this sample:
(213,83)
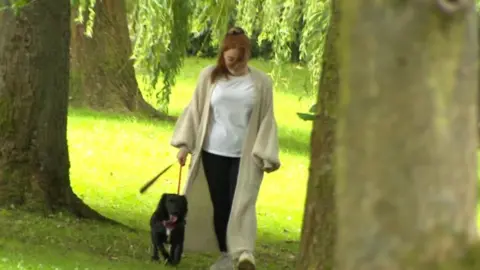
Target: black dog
(167,225)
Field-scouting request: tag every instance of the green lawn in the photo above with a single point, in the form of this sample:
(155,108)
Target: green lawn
(112,156)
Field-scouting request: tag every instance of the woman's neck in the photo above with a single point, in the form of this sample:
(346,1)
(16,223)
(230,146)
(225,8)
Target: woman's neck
(242,72)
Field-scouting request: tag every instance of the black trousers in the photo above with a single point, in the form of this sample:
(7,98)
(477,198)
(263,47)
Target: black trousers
(221,173)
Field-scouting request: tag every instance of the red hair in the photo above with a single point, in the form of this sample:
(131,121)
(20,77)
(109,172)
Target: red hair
(235,39)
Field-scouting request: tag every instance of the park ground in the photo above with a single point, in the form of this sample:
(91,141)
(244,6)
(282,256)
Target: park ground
(113,155)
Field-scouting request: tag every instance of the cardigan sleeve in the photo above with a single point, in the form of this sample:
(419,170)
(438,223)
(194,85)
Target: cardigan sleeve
(265,149)
(187,125)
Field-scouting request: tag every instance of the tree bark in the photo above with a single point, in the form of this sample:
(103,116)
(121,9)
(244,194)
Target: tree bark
(34,83)
(478,93)
(317,245)
(103,76)
(406,157)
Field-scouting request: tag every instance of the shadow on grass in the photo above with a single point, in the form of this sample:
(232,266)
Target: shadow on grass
(68,243)
(120,116)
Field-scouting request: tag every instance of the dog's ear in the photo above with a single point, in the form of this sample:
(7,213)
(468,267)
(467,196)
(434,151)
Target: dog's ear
(162,206)
(185,204)
(162,200)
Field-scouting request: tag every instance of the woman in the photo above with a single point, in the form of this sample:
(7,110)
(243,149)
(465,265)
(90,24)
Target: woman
(230,129)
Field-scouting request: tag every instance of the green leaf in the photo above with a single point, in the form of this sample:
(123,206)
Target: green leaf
(306,116)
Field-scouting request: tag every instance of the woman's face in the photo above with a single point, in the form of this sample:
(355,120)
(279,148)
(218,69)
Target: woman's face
(235,61)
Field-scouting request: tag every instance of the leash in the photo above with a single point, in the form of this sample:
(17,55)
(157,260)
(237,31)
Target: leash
(154,179)
(179,179)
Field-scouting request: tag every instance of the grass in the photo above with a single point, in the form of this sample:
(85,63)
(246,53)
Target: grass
(112,156)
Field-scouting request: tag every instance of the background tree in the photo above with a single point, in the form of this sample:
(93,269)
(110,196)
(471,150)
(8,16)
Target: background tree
(34,72)
(103,76)
(164,31)
(161,31)
(406,133)
(317,246)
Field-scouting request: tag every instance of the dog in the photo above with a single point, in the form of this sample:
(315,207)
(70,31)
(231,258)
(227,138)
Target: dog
(167,226)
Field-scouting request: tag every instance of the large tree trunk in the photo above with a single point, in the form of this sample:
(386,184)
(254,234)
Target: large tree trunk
(103,76)
(478,82)
(319,222)
(406,138)
(34,83)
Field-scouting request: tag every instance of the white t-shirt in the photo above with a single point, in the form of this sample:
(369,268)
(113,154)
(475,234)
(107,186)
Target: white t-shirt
(231,105)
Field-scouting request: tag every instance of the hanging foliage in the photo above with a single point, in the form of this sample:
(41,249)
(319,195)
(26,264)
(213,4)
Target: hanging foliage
(279,25)
(280,21)
(14,5)
(86,14)
(316,20)
(160,32)
(213,15)
(248,14)
(160,29)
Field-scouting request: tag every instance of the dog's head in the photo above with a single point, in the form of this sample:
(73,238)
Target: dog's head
(173,206)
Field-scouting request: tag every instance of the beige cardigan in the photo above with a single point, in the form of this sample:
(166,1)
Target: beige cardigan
(260,154)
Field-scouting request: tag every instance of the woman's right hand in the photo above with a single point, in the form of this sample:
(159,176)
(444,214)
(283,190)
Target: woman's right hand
(182,156)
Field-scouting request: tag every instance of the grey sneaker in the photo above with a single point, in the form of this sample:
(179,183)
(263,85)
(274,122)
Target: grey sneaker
(224,262)
(246,261)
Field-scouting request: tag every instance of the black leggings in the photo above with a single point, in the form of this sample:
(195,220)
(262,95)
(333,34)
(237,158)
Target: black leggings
(221,173)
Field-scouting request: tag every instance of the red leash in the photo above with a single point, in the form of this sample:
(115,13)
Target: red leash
(179,179)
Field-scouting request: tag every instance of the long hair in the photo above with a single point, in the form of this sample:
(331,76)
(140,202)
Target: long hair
(234,39)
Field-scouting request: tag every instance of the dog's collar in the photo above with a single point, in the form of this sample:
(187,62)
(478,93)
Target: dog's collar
(170,225)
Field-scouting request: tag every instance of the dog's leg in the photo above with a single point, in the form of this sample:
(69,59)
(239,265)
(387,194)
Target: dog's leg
(164,252)
(155,256)
(176,251)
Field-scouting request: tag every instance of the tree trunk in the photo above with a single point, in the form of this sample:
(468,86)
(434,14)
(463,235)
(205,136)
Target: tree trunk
(319,222)
(478,93)
(103,76)
(34,78)
(406,161)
